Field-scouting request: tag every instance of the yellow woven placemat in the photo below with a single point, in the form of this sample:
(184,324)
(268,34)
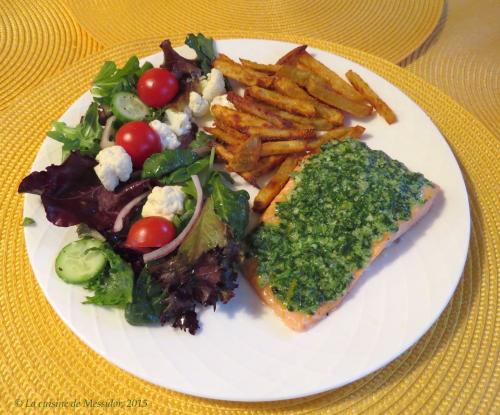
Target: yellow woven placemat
(452,369)
(391,29)
(37,40)
(462,58)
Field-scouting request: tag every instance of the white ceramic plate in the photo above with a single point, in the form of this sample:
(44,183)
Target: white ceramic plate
(243,351)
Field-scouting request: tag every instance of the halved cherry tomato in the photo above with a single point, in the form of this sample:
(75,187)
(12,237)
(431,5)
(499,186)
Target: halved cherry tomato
(157,87)
(150,232)
(139,140)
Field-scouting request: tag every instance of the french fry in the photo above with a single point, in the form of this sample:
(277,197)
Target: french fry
(260,67)
(247,155)
(283,147)
(270,134)
(336,100)
(363,88)
(265,165)
(238,120)
(223,152)
(292,56)
(322,91)
(336,134)
(231,131)
(305,122)
(284,102)
(336,82)
(279,117)
(226,137)
(251,106)
(238,72)
(274,186)
(289,88)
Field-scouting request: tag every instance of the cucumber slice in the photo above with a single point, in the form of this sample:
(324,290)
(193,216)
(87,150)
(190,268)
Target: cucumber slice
(128,107)
(76,265)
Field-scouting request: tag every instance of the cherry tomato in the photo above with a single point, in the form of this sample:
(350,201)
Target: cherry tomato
(150,232)
(139,140)
(157,87)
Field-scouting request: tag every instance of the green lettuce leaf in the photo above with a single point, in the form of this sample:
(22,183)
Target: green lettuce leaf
(146,305)
(208,233)
(114,286)
(111,80)
(85,137)
(204,48)
(231,206)
(161,164)
(202,139)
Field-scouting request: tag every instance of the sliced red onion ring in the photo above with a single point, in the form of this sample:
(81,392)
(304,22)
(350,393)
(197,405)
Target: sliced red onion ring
(118,225)
(172,246)
(106,133)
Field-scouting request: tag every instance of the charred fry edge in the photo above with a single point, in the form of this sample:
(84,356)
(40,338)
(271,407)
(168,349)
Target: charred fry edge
(251,106)
(274,186)
(336,82)
(241,74)
(288,87)
(283,147)
(260,67)
(247,155)
(336,134)
(363,88)
(284,102)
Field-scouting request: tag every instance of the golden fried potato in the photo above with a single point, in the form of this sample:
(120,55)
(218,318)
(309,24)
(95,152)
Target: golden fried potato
(231,131)
(247,155)
(238,72)
(289,88)
(240,121)
(270,148)
(251,106)
(226,137)
(321,90)
(336,82)
(270,134)
(265,165)
(363,88)
(274,186)
(223,152)
(260,67)
(292,56)
(332,98)
(292,105)
(336,134)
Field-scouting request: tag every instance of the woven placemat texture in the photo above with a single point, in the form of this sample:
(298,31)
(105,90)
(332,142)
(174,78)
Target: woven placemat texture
(462,58)
(452,369)
(391,29)
(37,40)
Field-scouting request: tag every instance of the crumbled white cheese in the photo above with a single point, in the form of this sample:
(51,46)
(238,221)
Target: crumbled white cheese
(168,138)
(222,100)
(165,201)
(213,85)
(179,122)
(115,165)
(197,104)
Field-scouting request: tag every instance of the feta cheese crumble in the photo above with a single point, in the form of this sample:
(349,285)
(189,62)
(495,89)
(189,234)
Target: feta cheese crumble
(115,165)
(165,201)
(213,85)
(179,122)
(197,104)
(168,138)
(223,101)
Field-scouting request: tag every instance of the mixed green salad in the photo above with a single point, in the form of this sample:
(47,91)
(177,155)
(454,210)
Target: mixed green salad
(159,227)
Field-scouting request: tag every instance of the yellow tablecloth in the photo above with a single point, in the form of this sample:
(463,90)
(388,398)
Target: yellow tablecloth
(453,368)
